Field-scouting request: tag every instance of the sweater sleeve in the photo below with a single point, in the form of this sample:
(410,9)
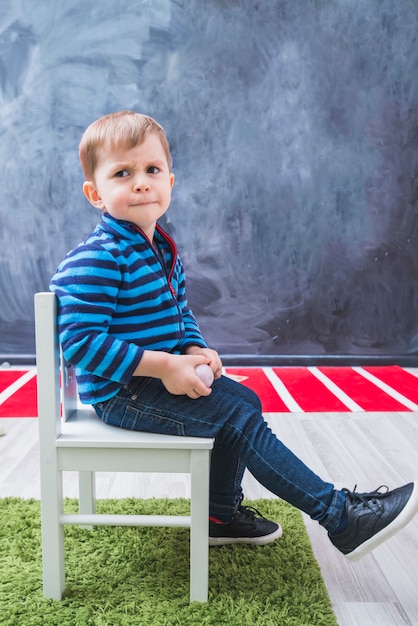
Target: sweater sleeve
(86,284)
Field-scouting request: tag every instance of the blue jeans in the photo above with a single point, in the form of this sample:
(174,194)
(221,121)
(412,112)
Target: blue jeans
(232,415)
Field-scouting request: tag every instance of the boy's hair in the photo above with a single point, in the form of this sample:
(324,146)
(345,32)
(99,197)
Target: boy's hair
(125,129)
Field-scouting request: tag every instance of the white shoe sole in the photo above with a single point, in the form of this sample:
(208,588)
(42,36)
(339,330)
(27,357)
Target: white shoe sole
(255,541)
(404,517)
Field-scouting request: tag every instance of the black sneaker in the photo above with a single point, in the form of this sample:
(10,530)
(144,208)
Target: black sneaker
(374,517)
(244,528)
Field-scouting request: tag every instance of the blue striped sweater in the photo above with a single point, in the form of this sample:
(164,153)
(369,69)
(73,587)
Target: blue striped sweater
(118,297)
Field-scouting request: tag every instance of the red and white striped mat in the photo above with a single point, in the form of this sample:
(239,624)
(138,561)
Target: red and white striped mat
(281,389)
(331,389)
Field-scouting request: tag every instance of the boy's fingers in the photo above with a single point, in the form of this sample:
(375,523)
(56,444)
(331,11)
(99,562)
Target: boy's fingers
(199,390)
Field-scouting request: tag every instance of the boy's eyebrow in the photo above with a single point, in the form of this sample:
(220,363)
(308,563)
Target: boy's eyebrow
(121,164)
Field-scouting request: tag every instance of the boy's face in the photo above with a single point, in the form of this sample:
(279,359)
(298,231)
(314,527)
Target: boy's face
(133,184)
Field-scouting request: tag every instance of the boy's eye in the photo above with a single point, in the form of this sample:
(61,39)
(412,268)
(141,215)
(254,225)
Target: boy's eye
(152,169)
(121,173)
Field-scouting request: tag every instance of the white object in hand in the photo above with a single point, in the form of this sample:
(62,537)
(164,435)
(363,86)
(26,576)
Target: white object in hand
(205,374)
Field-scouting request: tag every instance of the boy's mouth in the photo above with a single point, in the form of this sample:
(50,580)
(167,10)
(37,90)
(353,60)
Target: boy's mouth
(144,203)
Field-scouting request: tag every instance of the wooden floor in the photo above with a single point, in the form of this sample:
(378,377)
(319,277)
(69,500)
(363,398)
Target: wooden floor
(367,449)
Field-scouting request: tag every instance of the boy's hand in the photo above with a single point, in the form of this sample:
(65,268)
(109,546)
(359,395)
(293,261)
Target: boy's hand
(179,376)
(177,372)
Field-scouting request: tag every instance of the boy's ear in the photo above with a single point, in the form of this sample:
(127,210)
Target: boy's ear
(171,180)
(92,194)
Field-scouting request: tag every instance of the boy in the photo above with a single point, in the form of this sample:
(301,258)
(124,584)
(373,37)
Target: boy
(125,324)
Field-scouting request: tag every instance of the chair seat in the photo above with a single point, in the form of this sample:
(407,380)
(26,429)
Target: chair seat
(85,428)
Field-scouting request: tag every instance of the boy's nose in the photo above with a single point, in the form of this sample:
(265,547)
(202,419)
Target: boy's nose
(141,183)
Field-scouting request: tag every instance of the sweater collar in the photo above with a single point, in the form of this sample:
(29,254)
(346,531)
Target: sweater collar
(130,231)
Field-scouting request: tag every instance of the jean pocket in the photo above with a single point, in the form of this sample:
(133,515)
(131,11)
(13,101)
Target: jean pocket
(150,420)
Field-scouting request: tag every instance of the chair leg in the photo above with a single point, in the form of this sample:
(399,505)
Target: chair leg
(199,527)
(53,563)
(86,494)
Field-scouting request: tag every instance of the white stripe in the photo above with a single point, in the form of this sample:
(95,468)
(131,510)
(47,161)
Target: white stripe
(282,391)
(11,389)
(339,393)
(6,367)
(387,389)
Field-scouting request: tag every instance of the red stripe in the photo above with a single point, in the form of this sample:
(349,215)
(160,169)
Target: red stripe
(8,377)
(397,378)
(23,403)
(309,392)
(258,382)
(361,390)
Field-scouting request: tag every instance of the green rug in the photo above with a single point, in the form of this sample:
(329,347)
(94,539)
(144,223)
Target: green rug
(124,576)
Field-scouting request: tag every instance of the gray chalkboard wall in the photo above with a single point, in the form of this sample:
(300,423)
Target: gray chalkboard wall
(294,129)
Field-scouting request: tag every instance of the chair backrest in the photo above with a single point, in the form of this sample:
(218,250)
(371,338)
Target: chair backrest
(48,365)
(62,401)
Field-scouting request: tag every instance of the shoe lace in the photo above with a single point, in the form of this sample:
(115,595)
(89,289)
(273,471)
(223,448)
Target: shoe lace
(249,511)
(365,499)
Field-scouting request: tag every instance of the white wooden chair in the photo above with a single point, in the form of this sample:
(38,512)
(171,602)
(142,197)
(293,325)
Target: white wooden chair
(80,441)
